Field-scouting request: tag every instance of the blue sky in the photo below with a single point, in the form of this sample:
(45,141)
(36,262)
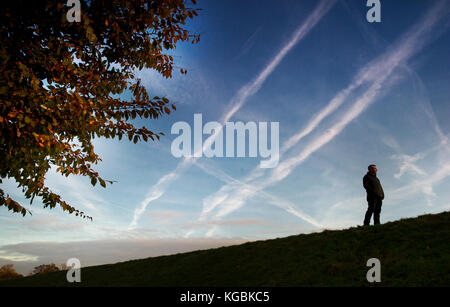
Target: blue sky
(346,93)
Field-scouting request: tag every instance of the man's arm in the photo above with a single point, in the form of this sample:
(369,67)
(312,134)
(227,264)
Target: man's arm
(382,192)
(368,185)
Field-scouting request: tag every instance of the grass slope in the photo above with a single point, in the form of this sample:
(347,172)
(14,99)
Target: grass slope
(412,252)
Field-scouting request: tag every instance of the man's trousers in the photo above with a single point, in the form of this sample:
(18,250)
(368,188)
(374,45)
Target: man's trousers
(374,207)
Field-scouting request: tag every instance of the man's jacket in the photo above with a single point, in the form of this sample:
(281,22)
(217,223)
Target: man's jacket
(373,186)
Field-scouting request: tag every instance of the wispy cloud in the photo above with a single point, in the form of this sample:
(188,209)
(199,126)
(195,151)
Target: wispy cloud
(236,103)
(180,88)
(423,185)
(158,190)
(377,74)
(428,109)
(408,164)
(248,43)
(247,189)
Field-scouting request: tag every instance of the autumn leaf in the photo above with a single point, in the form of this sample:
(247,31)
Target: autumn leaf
(63,82)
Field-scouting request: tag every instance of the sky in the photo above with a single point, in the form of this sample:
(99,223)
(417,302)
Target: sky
(346,93)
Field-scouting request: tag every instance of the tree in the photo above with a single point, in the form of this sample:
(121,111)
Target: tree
(45,268)
(60,82)
(8,272)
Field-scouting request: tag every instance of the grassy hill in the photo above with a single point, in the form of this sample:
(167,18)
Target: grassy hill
(412,252)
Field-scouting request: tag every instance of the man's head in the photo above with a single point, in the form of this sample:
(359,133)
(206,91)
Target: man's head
(372,169)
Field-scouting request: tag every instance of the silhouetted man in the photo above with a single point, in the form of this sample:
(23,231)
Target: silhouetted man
(375,195)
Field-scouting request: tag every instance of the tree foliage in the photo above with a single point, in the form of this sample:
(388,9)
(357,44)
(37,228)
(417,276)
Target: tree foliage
(8,272)
(60,82)
(45,268)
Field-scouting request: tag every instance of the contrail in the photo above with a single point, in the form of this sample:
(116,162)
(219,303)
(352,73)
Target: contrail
(236,103)
(158,190)
(274,200)
(377,71)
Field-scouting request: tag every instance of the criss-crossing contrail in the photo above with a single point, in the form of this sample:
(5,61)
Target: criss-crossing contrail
(235,104)
(231,197)
(274,200)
